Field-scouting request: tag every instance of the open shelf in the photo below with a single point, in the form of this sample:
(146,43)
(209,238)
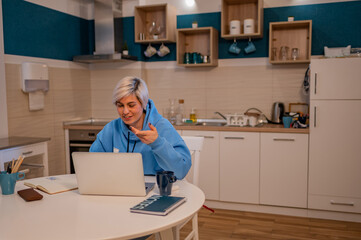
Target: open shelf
(201,40)
(295,34)
(164,15)
(241,10)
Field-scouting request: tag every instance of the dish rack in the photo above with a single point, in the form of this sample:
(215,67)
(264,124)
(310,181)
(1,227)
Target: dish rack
(237,120)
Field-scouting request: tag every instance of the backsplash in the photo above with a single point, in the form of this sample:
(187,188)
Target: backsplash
(228,89)
(69,97)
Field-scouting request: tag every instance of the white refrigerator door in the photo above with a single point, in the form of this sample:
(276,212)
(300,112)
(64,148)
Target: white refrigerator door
(335,78)
(335,148)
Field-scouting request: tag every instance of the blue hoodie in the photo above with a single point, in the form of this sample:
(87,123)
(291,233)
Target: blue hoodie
(168,152)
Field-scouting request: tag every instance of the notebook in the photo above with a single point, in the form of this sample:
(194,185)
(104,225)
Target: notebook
(108,173)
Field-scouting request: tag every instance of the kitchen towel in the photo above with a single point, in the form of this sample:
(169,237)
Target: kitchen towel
(36,100)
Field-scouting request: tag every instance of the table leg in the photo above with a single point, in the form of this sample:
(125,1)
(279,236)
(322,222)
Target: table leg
(168,234)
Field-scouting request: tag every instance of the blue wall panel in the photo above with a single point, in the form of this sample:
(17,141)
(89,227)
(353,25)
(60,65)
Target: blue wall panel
(33,30)
(36,31)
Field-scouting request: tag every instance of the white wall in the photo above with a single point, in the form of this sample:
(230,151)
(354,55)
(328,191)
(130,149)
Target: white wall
(3,106)
(84,8)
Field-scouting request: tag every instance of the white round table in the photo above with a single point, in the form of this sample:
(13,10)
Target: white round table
(70,215)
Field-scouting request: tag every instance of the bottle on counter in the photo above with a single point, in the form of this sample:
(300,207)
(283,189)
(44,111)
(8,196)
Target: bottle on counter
(180,112)
(172,111)
(193,116)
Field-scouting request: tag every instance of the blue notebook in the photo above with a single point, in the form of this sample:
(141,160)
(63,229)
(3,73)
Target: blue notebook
(158,205)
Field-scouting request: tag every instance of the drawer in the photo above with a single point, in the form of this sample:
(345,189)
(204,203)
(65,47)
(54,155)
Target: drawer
(340,204)
(26,151)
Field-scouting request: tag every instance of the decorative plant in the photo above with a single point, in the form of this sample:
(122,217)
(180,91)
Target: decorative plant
(125,46)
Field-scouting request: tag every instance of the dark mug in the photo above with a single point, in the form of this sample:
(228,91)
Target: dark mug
(165,180)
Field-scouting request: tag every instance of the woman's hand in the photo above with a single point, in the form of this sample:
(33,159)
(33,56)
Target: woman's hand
(148,136)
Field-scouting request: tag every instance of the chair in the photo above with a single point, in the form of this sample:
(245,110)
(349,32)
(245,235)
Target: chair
(194,145)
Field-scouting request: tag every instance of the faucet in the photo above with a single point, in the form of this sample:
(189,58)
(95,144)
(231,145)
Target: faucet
(220,114)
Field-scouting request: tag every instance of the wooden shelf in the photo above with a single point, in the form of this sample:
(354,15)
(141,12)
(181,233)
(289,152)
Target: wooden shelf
(296,34)
(164,15)
(201,40)
(241,10)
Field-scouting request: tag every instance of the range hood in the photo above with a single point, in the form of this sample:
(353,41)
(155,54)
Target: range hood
(108,38)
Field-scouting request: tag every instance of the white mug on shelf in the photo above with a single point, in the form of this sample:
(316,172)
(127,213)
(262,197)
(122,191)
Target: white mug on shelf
(248,26)
(163,50)
(150,51)
(235,27)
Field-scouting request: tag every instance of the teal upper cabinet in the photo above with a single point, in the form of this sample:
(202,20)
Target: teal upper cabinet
(242,19)
(155,23)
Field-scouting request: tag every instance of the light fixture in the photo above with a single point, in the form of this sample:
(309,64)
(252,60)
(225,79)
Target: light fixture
(190,3)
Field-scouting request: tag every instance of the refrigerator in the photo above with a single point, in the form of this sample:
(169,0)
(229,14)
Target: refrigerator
(335,135)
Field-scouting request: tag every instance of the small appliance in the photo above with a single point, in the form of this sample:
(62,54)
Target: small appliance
(277,112)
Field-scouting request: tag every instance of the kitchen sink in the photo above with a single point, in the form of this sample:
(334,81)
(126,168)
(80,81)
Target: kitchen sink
(211,122)
(217,124)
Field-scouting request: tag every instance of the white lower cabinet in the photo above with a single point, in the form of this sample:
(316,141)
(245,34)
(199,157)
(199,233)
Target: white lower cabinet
(239,167)
(335,156)
(209,164)
(284,169)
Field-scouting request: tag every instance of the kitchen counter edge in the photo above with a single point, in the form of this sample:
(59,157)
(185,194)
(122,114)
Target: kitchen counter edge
(17,141)
(266,128)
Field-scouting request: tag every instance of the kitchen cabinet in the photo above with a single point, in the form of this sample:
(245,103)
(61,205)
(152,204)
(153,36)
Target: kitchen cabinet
(209,163)
(155,23)
(335,135)
(241,10)
(30,149)
(295,34)
(336,78)
(202,40)
(239,167)
(284,169)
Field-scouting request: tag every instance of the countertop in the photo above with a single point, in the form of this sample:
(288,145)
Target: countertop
(273,128)
(11,142)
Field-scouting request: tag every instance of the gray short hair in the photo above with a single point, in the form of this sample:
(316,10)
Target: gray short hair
(131,85)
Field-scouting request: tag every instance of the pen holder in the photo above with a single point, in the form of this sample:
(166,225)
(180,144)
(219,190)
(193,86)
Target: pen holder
(8,181)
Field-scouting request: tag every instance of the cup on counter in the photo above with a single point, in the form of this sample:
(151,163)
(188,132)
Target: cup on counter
(252,121)
(287,120)
(165,180)
(8,181)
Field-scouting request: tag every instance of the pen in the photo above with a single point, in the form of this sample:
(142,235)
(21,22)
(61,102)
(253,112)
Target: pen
(12,163)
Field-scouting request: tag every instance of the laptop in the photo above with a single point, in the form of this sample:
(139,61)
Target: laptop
(108,173)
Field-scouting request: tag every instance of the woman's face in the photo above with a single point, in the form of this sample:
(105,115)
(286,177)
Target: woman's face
(130,111)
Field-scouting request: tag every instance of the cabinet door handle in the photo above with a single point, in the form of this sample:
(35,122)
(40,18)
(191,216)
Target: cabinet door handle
(27,153)
(284,139)
(36,165)
(342,203)
(233,137)
(315,83)
(205,136)
(314,119)
(79,145)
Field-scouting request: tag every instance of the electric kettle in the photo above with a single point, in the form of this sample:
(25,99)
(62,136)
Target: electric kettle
(277,112)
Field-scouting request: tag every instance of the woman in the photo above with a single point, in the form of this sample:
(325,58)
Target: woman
(142,129)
